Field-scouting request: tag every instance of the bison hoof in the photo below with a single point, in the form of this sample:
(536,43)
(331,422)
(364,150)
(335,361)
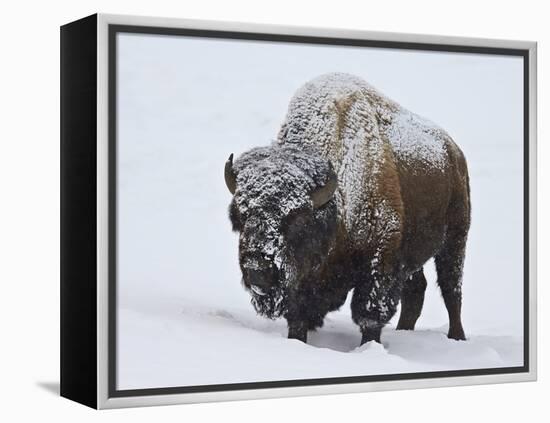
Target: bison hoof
(456,334)
(405,326)
(299,337)
(298,332)
(371,334)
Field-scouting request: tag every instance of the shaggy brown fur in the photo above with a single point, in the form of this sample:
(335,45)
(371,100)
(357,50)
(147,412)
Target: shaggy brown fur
(402,198)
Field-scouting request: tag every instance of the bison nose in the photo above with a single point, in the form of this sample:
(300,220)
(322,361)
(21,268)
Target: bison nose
(258,278)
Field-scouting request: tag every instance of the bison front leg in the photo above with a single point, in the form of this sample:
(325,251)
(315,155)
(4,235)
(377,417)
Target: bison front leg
(296,316)
(297,330)
(372,306)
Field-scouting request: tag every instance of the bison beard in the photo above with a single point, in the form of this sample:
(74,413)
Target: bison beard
(357,193)
(272,304)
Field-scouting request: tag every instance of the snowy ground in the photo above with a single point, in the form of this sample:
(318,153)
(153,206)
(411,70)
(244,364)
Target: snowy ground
(186,104)
(194,344)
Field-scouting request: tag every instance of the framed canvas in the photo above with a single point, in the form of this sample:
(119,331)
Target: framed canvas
(252,211)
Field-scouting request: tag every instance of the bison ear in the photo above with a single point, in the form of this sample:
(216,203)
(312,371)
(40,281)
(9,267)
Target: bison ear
(230,177)
(322,195)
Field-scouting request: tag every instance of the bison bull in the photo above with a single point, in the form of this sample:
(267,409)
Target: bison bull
(356,193)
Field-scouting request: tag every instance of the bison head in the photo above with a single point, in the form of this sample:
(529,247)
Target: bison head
(285,213)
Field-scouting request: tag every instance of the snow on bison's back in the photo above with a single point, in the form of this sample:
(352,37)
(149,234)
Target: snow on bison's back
(357,192)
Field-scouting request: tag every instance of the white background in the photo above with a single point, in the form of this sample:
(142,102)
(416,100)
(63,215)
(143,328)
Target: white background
(30,216)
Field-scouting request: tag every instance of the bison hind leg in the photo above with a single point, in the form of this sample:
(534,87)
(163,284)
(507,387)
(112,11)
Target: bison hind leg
(449,264)
(412,300)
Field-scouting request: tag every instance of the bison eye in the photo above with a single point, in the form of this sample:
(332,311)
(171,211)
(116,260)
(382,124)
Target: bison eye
(296,221)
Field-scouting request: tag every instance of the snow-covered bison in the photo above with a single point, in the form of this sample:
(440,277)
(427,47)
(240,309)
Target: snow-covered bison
(356,193)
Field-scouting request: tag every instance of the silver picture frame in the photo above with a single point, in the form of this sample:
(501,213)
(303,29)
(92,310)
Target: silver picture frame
(97,390)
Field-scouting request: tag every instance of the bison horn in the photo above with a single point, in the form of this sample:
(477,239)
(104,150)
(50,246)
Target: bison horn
(230,177)
(322,195)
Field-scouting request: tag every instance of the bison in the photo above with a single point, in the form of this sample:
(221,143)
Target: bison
(356,193)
